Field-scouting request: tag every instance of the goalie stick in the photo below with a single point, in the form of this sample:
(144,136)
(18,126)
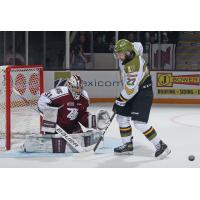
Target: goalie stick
(71,141)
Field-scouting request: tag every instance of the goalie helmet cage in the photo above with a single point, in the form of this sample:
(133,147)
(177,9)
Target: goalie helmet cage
(20,88)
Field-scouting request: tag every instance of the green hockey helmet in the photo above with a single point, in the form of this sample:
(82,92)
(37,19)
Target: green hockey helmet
(122,46)
(126,47)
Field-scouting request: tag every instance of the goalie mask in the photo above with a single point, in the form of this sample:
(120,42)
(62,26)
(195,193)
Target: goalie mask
(75,85)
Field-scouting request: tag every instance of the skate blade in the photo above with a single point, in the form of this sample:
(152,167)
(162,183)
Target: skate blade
(164,154)
(124,153)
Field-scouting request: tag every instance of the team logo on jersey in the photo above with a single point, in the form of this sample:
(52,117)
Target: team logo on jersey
(73,113)
(128,90)
(70,104)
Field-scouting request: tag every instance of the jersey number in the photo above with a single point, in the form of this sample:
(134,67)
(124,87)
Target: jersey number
(131,79)
(48,94)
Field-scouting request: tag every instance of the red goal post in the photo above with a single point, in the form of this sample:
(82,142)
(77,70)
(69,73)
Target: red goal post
(16,115)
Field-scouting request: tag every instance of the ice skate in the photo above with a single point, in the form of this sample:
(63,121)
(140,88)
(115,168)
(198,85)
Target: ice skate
(163,151)
(125,149)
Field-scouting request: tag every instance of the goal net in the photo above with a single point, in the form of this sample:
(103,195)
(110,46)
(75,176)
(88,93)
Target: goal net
(20,88)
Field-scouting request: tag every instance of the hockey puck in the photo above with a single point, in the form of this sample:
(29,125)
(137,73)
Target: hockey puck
(191,158)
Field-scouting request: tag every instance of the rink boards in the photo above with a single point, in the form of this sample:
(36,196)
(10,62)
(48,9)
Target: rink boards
(104,86)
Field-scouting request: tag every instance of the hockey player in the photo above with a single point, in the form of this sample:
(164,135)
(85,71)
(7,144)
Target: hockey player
(72,103)
(135,100)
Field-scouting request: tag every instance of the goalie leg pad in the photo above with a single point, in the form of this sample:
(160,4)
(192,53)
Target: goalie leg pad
(37,144)
(53,143)
(88,138)
(59,145)
(44,144)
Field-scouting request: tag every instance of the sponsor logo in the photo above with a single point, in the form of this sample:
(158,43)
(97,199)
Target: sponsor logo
(60,79)
(67,137)
(99,83)
(168,80)
(178,92)
(135,113)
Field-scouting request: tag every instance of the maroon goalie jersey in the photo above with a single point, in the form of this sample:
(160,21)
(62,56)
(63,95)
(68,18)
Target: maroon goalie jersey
(71,111)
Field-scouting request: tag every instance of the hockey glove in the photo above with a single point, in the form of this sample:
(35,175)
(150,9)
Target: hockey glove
(119,104)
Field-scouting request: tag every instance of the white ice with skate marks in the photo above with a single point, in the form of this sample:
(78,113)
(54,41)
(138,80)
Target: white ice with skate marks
(178,126)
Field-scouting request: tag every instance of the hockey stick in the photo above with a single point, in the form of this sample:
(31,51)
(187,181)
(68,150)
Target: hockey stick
(101,137)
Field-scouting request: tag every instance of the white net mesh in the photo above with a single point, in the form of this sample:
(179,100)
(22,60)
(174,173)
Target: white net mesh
(25,88)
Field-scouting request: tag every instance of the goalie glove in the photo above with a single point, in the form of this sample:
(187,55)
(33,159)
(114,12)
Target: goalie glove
(103,119)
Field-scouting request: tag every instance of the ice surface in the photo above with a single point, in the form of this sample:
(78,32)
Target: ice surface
(177,125)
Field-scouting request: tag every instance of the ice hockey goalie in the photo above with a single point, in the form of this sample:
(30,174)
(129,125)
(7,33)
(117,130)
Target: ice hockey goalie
(66,106)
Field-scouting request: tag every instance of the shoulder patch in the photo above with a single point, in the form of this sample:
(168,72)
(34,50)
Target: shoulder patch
(57,92)
(133,65)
